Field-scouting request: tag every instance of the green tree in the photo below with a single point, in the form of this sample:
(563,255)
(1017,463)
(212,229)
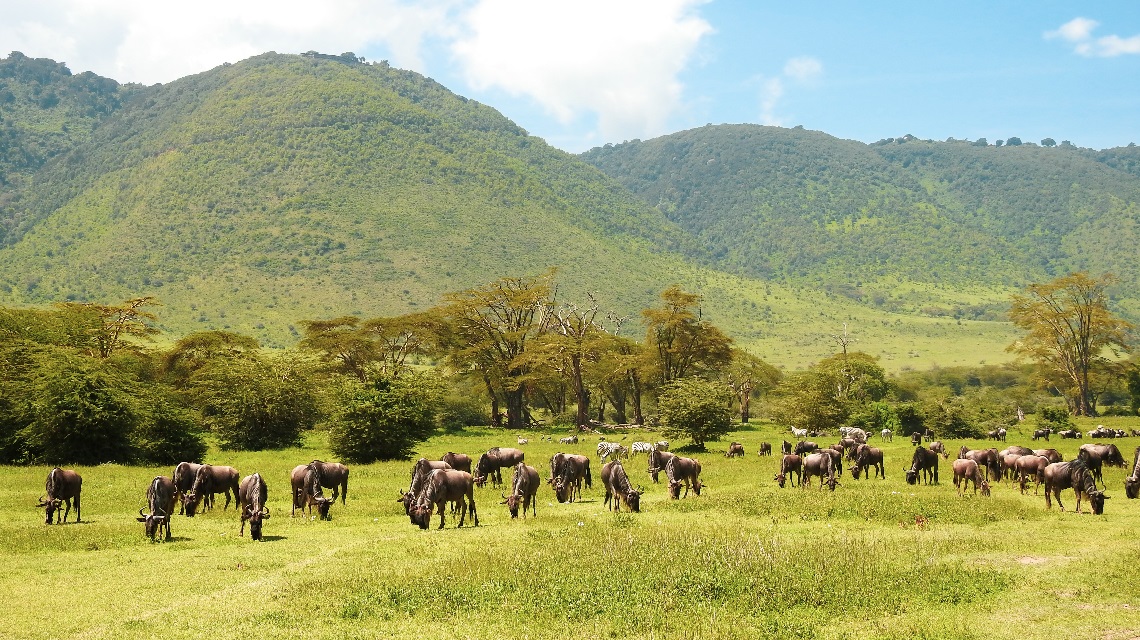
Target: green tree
(682,343)
(1048,142)
(199,350)
(749,377)
(385,419)
(696,409)
(111,328)
(1069,333)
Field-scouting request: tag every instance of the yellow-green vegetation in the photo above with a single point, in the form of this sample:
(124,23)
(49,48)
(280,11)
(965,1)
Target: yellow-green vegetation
(876,558)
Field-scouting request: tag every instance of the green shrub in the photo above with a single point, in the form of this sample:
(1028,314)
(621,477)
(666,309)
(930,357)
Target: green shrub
(385,419)
(167,434)
(257,404)
(695,409)
(455,413)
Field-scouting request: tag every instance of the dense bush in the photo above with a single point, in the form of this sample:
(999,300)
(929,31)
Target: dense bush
(385,419)
(167,434)
(256,404)
(457,412)
(695,409)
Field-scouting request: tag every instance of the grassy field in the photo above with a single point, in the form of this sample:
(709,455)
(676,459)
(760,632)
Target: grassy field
(874,559)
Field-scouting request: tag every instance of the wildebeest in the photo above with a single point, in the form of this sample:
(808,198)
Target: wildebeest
(836,459)
(868,456)
(786,448)
(1132,482)
(251,497)
(1033,466)
(819,464)
(184,475)
(939,448)
(495,459)
(1070,434)
(986,458)
(420,472)
(209,480)
(657,461)
(160,497)
(619,489)
(305,481)
(790,464)
(1052,454)
(916,438)
(1076,475)
(441,487)
(997,434)
(1097,455)
(683,471)
(765,449)
(924,461)
(567,473)
(966,470)
(524,488)
(734,450)
(457,461)
(805,446)
(334,475)
(62,486)
(1041,433)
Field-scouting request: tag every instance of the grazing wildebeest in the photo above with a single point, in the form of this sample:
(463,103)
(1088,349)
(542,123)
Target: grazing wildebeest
(1027,467)
(997,434)
(1070,434)
(916,438)
(305,481)
(858,435)
(1097,455)
(819,464)
(765,449)
(925,461)
(1132,482)
(1018,449)
(1041,433)
(160,497)
(420,472)
(184,475)
(683,471)
(986,458)
(868,456)
(1009,465)
(334,475)
(887,434)
(62,486)
(619,489)
(734,450)
(657,461)
(805,446)
(793,464)
(836,459)
(966,471)
(457,461)
(568,440)
(251,497)
(786,448)
(495,459)
(208,481)
(1052,454)
(567,473)
(524,488)
(441,487)
(940,449)
(1077,476)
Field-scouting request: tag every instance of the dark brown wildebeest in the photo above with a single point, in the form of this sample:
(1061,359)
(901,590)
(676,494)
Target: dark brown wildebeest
(916,438)
(567,473)
(441,487)
(940,449)
(334,475)
(458,461)
(208,481)
(495,459)
(1009,465)
(986,458)
(1026,467)
(1074,475)
(1025,451)
(765,449)
(619,489)
(867,456)
(734,450)
(819,464)
(1132,482)
(160,497)
(420,472)
(1097,455)
(924,461)
(847,447)
(62,486)
(1041,433)
(792,464)
(251,497)
(786,448)
(683,471)
(524,488)
(1052,454)
(657,461)
(305,481)
(1070,434)
(966,470)
(184,475)
(836,459)
(805,446)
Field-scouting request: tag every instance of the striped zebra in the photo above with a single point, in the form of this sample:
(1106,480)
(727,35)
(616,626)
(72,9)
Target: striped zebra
(607,449)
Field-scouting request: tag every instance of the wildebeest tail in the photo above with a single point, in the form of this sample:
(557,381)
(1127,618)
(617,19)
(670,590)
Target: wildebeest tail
(589,480)
(53,482)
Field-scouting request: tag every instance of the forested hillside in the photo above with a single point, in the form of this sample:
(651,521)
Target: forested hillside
(806,207)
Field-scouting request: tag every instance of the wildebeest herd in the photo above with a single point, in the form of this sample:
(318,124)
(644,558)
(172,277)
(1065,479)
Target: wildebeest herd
(451,481)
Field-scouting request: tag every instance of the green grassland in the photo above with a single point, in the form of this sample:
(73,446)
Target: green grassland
(874,559)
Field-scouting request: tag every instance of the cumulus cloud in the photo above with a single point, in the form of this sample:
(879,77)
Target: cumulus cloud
(1079,33)
(616,61)
(801,71)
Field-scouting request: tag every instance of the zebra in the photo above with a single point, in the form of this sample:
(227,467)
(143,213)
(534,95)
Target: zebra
(640,447)
(607,449)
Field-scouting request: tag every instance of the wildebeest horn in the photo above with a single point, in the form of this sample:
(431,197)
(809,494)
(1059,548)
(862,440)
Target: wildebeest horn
(141,512)
(264,511)
(42,501)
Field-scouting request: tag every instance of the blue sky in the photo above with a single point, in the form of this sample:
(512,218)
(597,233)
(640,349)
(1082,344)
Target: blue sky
(587,72)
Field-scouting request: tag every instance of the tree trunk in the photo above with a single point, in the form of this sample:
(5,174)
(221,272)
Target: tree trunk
(516,414)
(602,411)
(745,406)
(635,385)
(581,394)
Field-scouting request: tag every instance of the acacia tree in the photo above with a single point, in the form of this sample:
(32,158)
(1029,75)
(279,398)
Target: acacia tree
(1069,330)
(680,341)
(571,340)
(106,329)
(747,376)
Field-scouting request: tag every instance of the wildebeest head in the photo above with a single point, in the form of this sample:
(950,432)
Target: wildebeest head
(854,469)
(192,501)
(407,498)
(780,479)
(831,482)
(50,507)
(512,501)
(1096,499)
(911,476)
(421,514)
(633,499)
(675,489)
(697,487)
(562,489)
(1132,488)
(153,523)
(323,505)
(985,487)
(255,518)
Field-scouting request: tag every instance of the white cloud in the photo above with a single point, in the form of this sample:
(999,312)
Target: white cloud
(801,71)
(770,93)
(1078,32)
(617,61)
